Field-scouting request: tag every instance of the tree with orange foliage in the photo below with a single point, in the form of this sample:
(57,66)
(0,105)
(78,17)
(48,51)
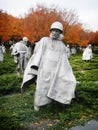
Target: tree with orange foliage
(38,21)
(35,25)
(95,38)
(4,26)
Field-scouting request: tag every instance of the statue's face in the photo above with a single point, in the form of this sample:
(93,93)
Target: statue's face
(55,33)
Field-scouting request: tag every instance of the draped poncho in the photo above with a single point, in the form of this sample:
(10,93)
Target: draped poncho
(55,78)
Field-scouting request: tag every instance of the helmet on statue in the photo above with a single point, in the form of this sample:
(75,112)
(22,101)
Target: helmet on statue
(57,25)
(25,39)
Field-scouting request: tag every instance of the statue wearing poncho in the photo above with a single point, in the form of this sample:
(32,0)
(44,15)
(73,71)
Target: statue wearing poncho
(55,78)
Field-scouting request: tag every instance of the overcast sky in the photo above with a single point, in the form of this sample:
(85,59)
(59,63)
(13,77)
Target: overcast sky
(86,10)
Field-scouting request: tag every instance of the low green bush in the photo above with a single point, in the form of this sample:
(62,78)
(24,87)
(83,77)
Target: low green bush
(87,93)
(8,65)
(86,75)
(9,122)
(10,83)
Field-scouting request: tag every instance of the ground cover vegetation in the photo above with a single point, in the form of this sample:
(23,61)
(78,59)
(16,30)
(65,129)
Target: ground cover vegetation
(16,109)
